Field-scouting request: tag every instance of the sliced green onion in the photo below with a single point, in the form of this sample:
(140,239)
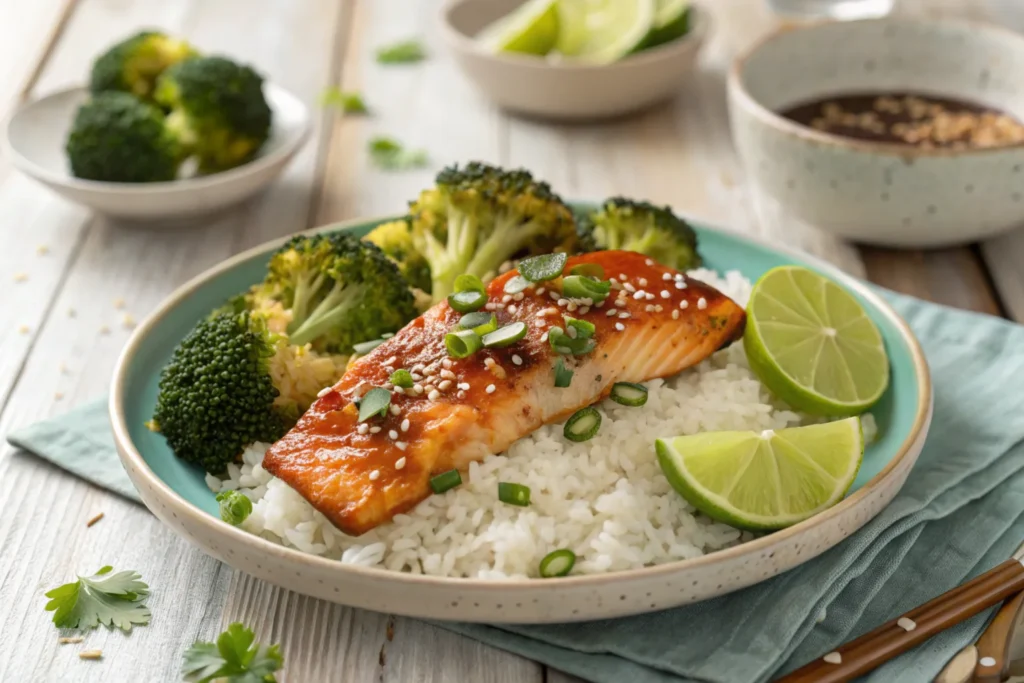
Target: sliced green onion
(544,267)
(584,329)
(469,283)
(588,270)
(363,348)
(402,378)
(580,287)
(235,506)
(557,563)
(375,402)
(516,284)
(562,343)
(467,301)
(629,394)
(462,343)
(514,494)
(563,375)
(582,349)
(505,336)
(445,480)
(583,424)
(480,322)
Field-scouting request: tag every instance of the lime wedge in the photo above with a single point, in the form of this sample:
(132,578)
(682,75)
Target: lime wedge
(532,28)
(572,26)
(812,344)
(613,29)
(767,480)
(671,21)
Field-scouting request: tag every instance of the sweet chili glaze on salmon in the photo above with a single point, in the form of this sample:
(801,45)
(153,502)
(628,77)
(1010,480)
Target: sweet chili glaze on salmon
(655,323)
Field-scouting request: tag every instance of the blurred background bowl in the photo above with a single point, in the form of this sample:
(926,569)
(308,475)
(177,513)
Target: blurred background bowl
(880,193)
(34,140)
(537,87)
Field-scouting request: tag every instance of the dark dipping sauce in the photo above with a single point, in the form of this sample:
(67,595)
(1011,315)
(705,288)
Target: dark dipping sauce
(917,120)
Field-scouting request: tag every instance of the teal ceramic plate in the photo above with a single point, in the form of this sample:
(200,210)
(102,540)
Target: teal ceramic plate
(177,494)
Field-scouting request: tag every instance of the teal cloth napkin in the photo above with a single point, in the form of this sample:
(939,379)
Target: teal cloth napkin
(960,513)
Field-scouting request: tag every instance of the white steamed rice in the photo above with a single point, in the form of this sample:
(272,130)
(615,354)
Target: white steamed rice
(605,499)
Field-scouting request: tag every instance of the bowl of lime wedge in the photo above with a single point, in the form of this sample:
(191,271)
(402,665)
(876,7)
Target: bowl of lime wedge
(576,59)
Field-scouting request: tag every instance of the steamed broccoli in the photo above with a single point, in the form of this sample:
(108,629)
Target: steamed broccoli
(117,138)
(340,290)
(395,240)
(217,109)
(622,223)
(134,64)
(480,216)
(217,395)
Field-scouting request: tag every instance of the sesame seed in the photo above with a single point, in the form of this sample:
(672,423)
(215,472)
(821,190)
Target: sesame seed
(395,410)
(539,324)
(499,307)
(600,304)
(702,303)
(610,312)
(416,377)
(649,262)
(563,302)
(505,299)
(584,310)
(665,294)
(658,308)
(323,392)
(405,425)
(544,337)
(434,395)
(390,369)
(388,386)
(400,463)
(417,389)
(489,306)
(623,277)
(648,296)
(462,386)
(628,287)
(675,314)
(542,313)
(363,428)
(447,374)
(571,307)
(417,368)
(519,296)
(639,295)
(391,361)
(444,385)
(20,277)
(375,430)
(511,308)
(623,315)
(554,295)
(392,434)
(460,395)
(648,308)
(643,280)
(684,304)
(666,276)
(541,290)
(430,372)
(375,475)
(490,388)
(680,285)
(446,363)
(571,332)
(488,362)
(516,360)
(620,327)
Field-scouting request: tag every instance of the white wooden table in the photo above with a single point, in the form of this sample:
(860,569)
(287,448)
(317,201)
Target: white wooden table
(60,330)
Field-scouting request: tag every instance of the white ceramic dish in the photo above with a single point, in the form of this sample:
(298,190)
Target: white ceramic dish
(177,494)
(34,140)
(536,87)
(878,193)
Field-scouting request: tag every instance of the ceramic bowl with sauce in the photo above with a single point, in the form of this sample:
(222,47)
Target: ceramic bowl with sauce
(897,132)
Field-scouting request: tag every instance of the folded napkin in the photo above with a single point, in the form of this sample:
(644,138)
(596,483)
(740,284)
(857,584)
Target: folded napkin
(960,513)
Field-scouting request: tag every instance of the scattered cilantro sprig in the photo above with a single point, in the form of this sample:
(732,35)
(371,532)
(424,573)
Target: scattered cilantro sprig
(404,52)
(391,155)
(235,657)
(347,102)
(103,598)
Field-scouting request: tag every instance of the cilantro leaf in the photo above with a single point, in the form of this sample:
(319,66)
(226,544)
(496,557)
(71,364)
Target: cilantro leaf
(103,598)
(347,102)
(391,155)
(404,52)
(235,656)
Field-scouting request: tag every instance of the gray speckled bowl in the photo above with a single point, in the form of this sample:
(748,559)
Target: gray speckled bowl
(879,193)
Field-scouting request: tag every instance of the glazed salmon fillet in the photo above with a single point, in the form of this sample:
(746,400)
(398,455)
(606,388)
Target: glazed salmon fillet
(655,323)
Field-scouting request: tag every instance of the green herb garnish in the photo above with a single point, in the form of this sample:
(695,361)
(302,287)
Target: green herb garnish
(235,507)
(235,657)
(375,403)
(347,102)
(583,425)
(103,598)
(391,155)
(469,283)
(513,494)
(402,378)
(582,287)
(629,394)
(582,329)
(563,375)
(592,270)
(467,301)
(462,343)
(480,322)
(516,284)
(404,52)
(445,480)
(506,336)
(542,268)
(557,563)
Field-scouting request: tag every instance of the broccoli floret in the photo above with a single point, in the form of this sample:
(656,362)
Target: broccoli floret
(341,290)
(395,240)
(134,64)
(217,395)
(217,109)
(117,138)
(632,225)
(480,216)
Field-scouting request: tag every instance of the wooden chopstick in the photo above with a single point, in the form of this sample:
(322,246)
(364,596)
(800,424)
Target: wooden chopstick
(892,638)
(993,663)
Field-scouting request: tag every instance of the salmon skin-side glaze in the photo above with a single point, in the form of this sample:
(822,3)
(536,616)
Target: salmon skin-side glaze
(654,323)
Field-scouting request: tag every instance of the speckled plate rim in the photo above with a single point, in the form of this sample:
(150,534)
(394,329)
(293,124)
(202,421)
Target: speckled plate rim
(735,84)
(862,499)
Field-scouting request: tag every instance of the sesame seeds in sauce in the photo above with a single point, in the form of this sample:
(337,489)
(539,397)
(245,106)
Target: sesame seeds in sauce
(444,385)
(702,303)
(620,327)
(405,425)
(375,430)
(395,410)
(434,395)
(363,428)
(375,475)
(516,359)
(400,463)
(401,445)
(490,389)
(393,435)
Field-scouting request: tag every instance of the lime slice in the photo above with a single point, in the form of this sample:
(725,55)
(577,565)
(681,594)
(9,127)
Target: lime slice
(812,344)
(532,28)
(614,29)
(767,480)
(671,21)
(572,26)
